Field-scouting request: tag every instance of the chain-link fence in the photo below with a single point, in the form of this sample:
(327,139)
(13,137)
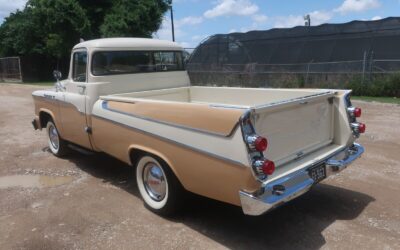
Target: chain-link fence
(319,56)
(10,69)
(327,74)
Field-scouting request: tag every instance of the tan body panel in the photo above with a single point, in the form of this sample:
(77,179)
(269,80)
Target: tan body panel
(69,121)
(74,123)
(198,172)
(51,107)
(214,120)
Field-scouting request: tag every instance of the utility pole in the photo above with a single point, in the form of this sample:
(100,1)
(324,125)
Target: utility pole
(172,22)
(307,20)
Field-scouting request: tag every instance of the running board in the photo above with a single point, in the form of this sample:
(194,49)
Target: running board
(80,149)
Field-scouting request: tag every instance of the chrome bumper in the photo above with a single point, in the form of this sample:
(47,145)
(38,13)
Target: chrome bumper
(295,184)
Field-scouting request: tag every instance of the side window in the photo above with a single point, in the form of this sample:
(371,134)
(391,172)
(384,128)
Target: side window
(79,66)
(166,61)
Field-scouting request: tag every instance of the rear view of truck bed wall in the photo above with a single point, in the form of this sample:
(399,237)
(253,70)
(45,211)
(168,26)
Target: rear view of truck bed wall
(245,97)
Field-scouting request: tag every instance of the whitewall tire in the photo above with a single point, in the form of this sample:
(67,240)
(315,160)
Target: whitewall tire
(56,144)
(158,186)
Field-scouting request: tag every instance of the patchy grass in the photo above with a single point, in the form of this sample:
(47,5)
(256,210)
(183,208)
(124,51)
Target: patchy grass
(39,83)
(30,83)
(393,100)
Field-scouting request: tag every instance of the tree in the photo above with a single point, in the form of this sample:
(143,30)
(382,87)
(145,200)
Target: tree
(96,11)
(47,27)
(46,30)
(17,35)
(134,18)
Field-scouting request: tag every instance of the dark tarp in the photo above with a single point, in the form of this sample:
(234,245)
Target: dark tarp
(324,43)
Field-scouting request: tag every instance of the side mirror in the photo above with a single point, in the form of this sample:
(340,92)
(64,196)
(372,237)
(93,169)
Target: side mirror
(57,75)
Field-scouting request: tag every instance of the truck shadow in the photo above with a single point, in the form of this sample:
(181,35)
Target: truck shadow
(298,224)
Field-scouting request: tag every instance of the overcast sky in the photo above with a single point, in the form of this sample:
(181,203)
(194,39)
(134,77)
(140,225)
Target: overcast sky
(197,19)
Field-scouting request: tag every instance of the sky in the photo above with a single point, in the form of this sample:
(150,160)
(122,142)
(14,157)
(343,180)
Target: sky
(195,20)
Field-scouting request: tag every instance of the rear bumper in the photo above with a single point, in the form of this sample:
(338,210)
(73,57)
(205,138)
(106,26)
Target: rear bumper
(295,184)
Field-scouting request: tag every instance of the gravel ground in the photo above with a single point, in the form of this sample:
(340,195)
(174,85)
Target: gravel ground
(89,202)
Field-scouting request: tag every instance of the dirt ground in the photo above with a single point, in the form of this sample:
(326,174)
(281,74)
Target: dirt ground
(88,202)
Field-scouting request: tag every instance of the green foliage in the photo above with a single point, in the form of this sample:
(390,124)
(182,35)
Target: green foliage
(52,27)
(133,18)
(44,27)
(17,34)
(393,100)
(45,30)
(95,12)
(381,85)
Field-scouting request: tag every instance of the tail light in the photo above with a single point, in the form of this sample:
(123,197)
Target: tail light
(357,112)
(361,127)
(268,167)
(264,166)
(358,127)
(258,143)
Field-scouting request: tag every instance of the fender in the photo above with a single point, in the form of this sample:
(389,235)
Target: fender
(49,112)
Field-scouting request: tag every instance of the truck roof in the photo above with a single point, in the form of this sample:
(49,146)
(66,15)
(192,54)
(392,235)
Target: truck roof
(127,43)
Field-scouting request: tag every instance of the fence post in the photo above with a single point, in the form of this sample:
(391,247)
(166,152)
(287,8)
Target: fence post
(1,70)
(364,66)
(19,69)
(308,71)
(371,62)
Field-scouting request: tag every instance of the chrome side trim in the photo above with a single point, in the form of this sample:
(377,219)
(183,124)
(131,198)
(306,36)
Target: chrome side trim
(104,105)
(227,106)
(299,100)
(172,141)
(295,184)
(46,98)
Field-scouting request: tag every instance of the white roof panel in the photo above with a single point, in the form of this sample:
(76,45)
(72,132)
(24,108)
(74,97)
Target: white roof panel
(133,43)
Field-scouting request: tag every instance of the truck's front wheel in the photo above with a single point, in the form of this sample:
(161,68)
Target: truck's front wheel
(56,144)
(158,186)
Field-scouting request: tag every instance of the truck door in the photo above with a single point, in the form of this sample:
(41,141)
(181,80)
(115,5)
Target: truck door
(73,110)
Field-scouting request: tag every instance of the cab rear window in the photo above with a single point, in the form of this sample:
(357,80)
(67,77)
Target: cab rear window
(129,62)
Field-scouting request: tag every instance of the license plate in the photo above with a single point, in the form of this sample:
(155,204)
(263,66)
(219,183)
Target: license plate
(317,173)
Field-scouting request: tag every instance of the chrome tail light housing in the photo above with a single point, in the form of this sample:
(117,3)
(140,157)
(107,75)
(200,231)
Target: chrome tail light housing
(256,146)
(353,113)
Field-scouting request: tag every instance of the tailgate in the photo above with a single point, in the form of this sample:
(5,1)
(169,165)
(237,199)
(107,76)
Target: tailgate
(297,127)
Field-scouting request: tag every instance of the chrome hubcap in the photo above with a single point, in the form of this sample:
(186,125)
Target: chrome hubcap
(154,181)
(53,135)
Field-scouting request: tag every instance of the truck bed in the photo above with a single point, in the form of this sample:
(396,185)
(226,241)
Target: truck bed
(297,123)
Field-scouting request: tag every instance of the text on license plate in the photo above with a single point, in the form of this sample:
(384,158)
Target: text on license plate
(317,173)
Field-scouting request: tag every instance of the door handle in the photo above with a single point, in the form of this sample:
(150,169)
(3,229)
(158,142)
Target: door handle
(82,89)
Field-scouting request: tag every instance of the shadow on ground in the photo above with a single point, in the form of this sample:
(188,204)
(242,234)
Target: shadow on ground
(298,224)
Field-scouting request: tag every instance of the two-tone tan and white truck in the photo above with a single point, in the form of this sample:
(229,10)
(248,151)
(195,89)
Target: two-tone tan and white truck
(255,148)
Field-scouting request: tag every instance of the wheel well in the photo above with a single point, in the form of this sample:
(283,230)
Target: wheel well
(135,155)
(44,118)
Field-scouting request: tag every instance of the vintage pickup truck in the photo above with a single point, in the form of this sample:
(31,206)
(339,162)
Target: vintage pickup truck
(255,148)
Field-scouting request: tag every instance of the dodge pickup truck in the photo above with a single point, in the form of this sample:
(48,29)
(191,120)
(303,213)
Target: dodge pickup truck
(131,98)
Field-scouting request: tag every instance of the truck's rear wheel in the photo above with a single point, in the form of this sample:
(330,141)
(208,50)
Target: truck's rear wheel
(56,144)
(160,189)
